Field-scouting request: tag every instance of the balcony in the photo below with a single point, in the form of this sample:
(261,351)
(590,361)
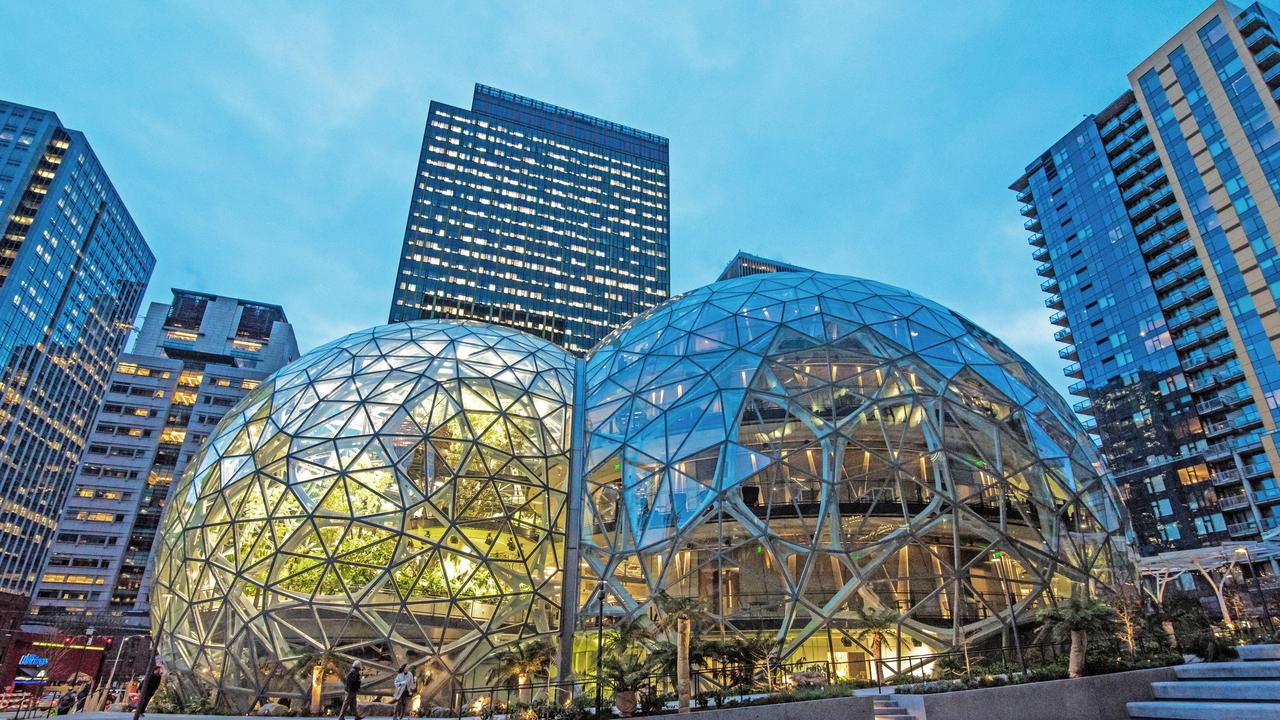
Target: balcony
(1059,318)
(1266,497)
(1033,224)
(1078,388)
(1213,404)
(1045,270)
(1084,407)
(1223,478)
(1161,238)
(1038,240)
(1221,427)
(1259,38)
(1024,196)
(1233,502)
(1069,353)
(1041,254)
(1028,210)
(1054,301)
(1050,285)
(1194,361)
(1218,450)
(1257,470)
(1063,335)
(1249,21)
(1271,75)
(1242,529)
(1267,57)
(1073,370)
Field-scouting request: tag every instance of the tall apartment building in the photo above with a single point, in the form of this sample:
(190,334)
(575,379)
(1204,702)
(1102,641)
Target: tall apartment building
(1154,222)
(533,216)
(73,269)
(192,361)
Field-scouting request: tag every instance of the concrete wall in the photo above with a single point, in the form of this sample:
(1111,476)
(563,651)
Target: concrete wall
(846,708)
(1102,697)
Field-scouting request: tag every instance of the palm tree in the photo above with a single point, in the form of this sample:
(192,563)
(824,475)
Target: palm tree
(628,634)
(1078,618)
(520,663)
(682,614)
(876,628)
(320,665)
(625,674)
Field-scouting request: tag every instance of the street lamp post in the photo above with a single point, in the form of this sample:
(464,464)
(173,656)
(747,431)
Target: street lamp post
(599,645)
(112,676)
(1257,587)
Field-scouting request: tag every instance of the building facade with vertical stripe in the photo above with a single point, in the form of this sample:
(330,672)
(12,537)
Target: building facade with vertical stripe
(1154,222)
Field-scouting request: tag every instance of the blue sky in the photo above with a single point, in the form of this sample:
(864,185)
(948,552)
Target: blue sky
(267,150)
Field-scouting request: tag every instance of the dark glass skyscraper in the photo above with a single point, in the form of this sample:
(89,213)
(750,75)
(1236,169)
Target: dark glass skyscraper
(1154,223)
(533,216)
(73,268)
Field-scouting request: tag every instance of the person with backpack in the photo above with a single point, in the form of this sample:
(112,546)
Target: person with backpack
(351,682)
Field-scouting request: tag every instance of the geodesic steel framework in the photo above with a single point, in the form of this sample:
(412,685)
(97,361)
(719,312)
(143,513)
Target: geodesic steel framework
(394,496)
(799,448)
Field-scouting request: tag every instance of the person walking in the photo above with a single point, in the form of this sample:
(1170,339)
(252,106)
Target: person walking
(82,697)
(149,686)
(405,685)
(352,684)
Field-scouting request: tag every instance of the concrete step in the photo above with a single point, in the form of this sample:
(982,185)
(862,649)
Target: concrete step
(1235,670)
(898,713)
(1182,710)
(1270,651)
(1218,690)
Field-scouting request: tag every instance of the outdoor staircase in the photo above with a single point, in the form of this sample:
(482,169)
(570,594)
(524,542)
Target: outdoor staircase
(888,709)
(1246,689)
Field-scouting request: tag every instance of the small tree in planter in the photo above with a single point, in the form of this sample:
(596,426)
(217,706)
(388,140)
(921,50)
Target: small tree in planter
(1077,619)
(521,663)
(876,628)
(626,674)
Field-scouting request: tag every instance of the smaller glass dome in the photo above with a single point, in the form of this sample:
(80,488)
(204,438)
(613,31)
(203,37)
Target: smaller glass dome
(395,496)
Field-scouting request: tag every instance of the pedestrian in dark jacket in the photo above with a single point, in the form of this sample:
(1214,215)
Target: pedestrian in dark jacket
(352,684)
(149,686)
(82,697)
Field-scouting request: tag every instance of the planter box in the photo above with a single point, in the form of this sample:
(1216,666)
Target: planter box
(1100,697)
(845,708)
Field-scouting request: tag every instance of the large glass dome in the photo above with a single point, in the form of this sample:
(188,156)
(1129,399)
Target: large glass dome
(394,496)
(797,449)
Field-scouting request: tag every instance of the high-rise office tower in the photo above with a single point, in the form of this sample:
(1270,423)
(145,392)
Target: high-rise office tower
(533,216)
(73,269)
(744,264)
(1155,222)
(193,360)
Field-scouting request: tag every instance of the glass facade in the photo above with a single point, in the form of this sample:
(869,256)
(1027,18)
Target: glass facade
(1153,222)
(796,448)
(790,448)
(536,217)
(73,269)
(189,366)
(395,496)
